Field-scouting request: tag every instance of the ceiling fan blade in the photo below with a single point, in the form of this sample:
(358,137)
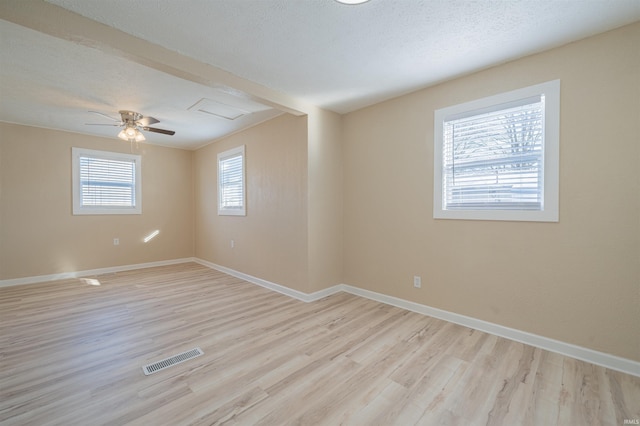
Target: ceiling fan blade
(106,116)
(146,121)
(101,124)
(156,130)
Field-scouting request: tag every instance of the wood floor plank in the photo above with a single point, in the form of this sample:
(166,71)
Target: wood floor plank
(71,353)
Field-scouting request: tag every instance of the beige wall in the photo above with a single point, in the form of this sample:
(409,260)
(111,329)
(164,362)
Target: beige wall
(325,200)
(271,240)
(578,280)
(40,236)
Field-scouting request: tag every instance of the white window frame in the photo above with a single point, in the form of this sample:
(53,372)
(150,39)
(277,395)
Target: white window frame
(550,167)
(79,208)
(222,157)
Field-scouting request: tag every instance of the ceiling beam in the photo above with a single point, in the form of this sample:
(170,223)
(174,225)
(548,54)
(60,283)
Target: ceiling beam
(58,22)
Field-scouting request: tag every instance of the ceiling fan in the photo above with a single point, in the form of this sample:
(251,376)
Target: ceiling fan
(133,123)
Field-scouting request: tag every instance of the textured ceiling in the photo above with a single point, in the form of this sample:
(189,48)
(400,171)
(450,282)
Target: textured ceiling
(276,52)
(56,83)
(344,57)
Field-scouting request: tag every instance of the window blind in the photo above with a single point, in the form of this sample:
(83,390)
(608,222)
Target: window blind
(107,182)
(231,182)
(493,158)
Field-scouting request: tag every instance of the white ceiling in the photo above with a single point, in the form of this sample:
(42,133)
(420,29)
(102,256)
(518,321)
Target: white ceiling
(317,52)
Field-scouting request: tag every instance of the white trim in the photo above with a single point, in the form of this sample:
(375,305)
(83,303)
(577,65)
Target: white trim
(222,156)
(589,355)
(78,208)
(551,179)
(567,349)
(89,272)
(305,297)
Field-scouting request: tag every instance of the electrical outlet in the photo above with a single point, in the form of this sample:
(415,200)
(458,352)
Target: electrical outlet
(233,244)
(417,281)
(116,241)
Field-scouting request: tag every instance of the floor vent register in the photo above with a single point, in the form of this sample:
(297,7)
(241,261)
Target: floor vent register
(171,361)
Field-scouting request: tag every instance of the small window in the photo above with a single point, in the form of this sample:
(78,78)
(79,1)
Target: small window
(231,185)
(497,158)
(106,182)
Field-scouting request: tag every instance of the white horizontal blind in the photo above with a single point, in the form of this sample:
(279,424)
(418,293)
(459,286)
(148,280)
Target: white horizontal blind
(231,182)
(493,158)
(107,182)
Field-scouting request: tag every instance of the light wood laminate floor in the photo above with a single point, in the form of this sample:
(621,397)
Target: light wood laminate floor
(71,354)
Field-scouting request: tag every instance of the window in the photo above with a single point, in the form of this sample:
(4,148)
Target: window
(497,158)
(106,182)
(231,185)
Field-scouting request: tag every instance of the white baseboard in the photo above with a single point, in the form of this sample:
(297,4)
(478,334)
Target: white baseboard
(89,272)
(578,352)
(305,297)
(589,355)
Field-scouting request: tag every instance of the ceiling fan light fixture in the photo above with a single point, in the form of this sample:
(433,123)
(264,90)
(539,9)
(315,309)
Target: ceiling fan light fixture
(130,133)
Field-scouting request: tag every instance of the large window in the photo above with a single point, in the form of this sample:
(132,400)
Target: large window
(106,182)
(231,184)
(497,158)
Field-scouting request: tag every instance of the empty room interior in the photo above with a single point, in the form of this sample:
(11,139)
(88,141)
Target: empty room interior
(270,212)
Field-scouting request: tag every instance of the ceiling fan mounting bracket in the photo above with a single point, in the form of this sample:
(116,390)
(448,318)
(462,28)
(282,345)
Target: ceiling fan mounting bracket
(130,116)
